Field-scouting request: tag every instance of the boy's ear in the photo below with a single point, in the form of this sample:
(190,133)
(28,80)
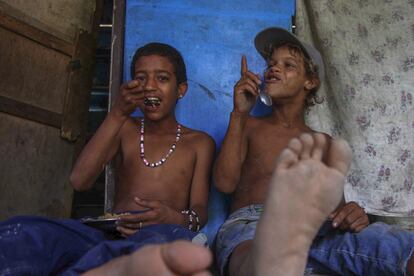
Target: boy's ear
(182,89)
(312,83)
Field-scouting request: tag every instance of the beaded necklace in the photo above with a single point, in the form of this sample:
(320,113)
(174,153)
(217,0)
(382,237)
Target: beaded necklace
(170,151)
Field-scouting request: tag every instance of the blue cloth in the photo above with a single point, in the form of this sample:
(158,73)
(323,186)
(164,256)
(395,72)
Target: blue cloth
(31,245)
(379,249)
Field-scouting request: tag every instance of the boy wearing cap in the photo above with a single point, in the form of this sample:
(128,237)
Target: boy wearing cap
(245,165)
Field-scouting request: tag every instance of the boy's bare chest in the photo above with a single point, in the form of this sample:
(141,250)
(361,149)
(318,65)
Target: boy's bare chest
(177,157)
(169,182)
(265,146)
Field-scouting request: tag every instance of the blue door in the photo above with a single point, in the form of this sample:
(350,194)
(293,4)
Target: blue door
(212,35)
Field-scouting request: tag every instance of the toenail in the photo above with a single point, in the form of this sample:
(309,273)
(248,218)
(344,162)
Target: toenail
(306,135)
(295,143)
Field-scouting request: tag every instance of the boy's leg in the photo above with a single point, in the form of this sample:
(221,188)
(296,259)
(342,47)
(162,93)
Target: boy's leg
(410,266)
(240,260)
(235,237)
(40,246)
(177,258)
(296,206)
(106,251)
(303,192)
(379,249)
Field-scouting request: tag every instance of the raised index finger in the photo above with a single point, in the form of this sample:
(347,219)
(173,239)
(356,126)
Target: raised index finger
(243,65)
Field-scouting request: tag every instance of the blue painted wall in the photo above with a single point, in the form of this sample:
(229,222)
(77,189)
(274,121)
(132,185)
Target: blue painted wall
(212,35)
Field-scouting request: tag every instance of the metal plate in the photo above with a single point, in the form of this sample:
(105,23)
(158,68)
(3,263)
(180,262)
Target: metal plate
(108,224)
(104,224)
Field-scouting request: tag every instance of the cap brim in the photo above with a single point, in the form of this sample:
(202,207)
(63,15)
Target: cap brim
(274,36)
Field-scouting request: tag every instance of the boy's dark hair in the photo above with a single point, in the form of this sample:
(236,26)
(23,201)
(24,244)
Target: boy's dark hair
(311,69)
(164,50)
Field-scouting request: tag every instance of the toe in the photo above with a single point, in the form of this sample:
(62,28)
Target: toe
(295,145)
(319,146)
(339,155)
(184,257)
(286,159)
(307,145)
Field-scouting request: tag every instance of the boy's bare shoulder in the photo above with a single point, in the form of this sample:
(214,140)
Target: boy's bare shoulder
(253,123)
(198,138)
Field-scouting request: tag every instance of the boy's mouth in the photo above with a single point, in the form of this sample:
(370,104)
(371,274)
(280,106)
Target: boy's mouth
(152,101)
(273,78)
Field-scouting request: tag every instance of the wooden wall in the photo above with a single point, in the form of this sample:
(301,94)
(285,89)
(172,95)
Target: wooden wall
(46,63)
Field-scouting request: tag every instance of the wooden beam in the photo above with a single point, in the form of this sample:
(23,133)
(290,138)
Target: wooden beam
(81,69)
(46,39)
(117,54)
(115,80)
(30,112)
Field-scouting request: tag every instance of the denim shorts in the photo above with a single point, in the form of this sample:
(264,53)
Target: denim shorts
(379,249)
(240,226)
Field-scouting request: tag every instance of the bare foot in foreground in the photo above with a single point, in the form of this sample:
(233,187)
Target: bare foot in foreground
(302,193)
(177,258)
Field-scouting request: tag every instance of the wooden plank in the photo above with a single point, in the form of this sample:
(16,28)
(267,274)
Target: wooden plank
(81,67)
(32,73)
(30,112)
(75,110)
(34,169)
(35,64)
(46,39)
(116,73)
(117,54)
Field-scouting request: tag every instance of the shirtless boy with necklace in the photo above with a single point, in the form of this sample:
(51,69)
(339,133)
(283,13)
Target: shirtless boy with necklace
(163,170)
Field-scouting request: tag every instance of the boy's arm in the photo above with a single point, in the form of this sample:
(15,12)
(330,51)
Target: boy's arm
(201,178)
(348,216)
(106,141)
(227,169)
(99,150)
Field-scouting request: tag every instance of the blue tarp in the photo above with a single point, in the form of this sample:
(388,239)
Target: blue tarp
(212,35)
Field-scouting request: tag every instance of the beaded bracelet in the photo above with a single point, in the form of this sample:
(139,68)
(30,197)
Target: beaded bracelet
(192,217)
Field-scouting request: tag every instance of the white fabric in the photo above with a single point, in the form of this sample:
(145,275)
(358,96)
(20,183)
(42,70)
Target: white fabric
(368,48)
